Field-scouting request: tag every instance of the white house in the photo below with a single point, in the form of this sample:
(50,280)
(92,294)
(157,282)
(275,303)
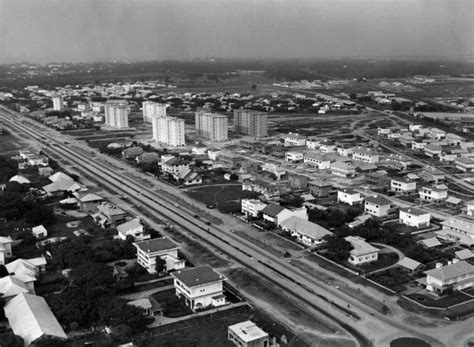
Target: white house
(5,248)
(317,159)
(470,208)
(39,231)
(132,228)
(248,334)
(456,275)
(459,230)
(327,147)
(362,252)
(295,140)
(349,196)
(343,169)
(251,207)
(276,214)
(149,250)
(294,157)
(377,205)
(402,185)
(365,155)
(413,217)
(308,233)
(436,193)
(200,287)
(464,164)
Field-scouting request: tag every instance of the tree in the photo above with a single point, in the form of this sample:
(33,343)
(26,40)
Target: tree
(92,275)
(338,249)
(115,312)
(69,254)
(160,266)
(49,341)
(11,340)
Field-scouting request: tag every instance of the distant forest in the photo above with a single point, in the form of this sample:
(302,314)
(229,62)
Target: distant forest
(275,69)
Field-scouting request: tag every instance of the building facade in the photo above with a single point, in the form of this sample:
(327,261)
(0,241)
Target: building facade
(251,123)
(169,131)
(116,115)
(211,126)
(153,109)
(58,103)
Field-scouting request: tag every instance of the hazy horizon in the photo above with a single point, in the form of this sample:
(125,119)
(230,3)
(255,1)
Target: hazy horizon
(134,30)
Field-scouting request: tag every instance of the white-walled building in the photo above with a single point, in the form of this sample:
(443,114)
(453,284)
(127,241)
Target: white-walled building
(251,207)
(349,196)
(251,123)
(402,185)
(39,231)
(169,131)
(248,334)
(149,250)
(456,275)
(201,287)
(153,109)
(365,155)
(211,126)
(343,169)
(362,252)
(308,233)
(293,139)
(376,205)
(414,217)
(58,102)
(470,208)
(276,214)
(132,228)
(317,159)
(294,157)
(5,248)
(116,114)
(434,194)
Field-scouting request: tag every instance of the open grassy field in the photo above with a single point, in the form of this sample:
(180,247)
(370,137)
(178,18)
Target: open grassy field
(446,89)
(10,143)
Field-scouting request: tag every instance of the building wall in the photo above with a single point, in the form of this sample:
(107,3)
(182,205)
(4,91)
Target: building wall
(250,123)
(116,116)
(414,220)
(376,210)
(362,259)
(198,296)
(211,126)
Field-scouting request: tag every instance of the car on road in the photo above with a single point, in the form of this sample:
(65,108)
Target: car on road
(208,223)
(210,206)
(196,216)
(176,205)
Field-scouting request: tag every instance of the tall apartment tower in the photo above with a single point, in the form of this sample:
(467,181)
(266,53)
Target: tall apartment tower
(169,131)
(116,114)
(151,109)
(58,102)
(211,126)
(251,123)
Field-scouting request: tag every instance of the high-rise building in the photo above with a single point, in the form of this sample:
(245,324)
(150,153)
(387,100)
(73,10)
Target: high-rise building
(251,123)
(169,131)
(211,126)
(116,114)
(58,102)
(151,109)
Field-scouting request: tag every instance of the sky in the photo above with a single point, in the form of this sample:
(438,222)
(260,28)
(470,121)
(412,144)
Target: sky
(105,30)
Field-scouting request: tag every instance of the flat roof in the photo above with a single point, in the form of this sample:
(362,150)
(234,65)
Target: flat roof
(248,331)
(156,245)
(197,276)
(451,271)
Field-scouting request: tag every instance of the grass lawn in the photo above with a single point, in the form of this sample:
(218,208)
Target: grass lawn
(384,260)
(9,143)
(442,302)
(224,197)
(174,306)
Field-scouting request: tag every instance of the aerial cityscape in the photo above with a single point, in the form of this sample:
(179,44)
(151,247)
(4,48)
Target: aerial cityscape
(219,173)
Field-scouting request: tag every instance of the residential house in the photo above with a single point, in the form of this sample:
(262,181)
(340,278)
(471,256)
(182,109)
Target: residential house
(132,228)
(377,205)
(294,157)
(464,164)
(456,275)
(401,159)
(349,196)
(269,190)
(298,181)
(435,194)
(60,176)
(201,287)
(470,208)
(431,174)
(418,145)
(414,217)
(343,169)
(30,317)
(248,334)
(296,140)
(251,207)
(464,254)
(402,185)
(87,201)
(410,265)
(308,233)
(147,158)
(39,231)
(173,165)
(12,285)
(312,143)
(433,150)
(276,214)
(320,188)
(149,250)
(108,214)
(59,187)
(31,267)
(458,230)
(378,179)
(278,171)
(327,147)
(20,179)
(230,159)
(431,242)
(365,155)
(150,306)
(345,151)
(361,252)
(5,248)
(322,162)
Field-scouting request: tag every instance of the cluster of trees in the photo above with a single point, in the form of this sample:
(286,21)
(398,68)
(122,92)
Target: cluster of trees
(8,169)
(333,218)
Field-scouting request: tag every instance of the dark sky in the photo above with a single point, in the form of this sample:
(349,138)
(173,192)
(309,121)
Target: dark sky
(91,30)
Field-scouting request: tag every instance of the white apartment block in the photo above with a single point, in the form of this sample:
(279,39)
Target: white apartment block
(149,250)
(327,147)
(169,131)
(251,207)
(414,217)
(153,109)
(211,126)
(251,123)
(435,193)
(58,103)
(116,115)
(294,157)
(200,287)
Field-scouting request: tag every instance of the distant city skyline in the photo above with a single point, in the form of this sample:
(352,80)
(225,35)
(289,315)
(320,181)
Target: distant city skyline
(106,30)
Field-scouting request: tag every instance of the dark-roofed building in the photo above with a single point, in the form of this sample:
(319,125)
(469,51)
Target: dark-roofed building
(200,287)
(377,205)
(320,188)
(149,250)
(414,217)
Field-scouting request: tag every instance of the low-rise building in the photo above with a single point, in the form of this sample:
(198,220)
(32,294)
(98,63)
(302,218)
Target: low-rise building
(317,159)
(296,140)
(465,164)
(201,287)
(294,157)
(410,265)
(276,214)
(470,208)
(132,228)
(308,233)
(377,205)
(365,155)
(248,334)
(327,147)
(431,174)
(434,194)
(414,217)
(349,196)
(108,214)
(343,169)
(251,207)
(402,185)
(456,275)
(87,201)
(362,252)
(320,188)
(5,248)
(149,250)
(39,231)
(458,230)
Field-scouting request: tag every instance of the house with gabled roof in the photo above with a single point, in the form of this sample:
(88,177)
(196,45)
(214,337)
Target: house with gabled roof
(132,228)
(349,196)
(410,265)
(456,275)
(362,252)
(308,233)
(414,217)
(276,214)
(87,201)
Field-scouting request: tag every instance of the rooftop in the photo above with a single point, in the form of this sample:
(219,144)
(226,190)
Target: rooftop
(451,271)
(360,246)
(409,263)
(413,211)
(248,331)
(156,245)
(377,200)
(197,276)
(312,230)
(272,210)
